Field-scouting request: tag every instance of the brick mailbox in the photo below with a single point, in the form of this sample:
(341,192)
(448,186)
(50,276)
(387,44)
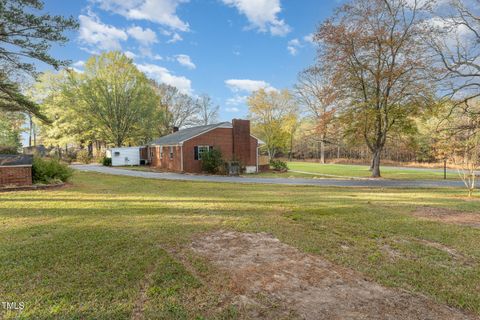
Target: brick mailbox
(15,170)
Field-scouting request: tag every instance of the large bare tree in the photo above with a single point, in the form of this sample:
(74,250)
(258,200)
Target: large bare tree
(207,112)
(457,45)
(317,97)
(182,109)
(373,53)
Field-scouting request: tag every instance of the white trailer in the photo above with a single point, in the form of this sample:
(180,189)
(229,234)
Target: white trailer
(129,156)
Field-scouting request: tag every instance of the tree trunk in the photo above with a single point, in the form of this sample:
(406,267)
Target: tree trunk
(376,164)
(322,149)
(30,130)
(90,149)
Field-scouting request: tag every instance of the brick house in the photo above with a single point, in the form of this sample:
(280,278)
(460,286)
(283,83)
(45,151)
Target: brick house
(182,150)
(15,170)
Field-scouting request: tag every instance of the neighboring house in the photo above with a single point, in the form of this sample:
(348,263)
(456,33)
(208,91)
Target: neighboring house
(15,170)
(182,150)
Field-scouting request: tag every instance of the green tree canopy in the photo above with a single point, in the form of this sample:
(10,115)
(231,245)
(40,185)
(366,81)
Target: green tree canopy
(115,97)
(26,36)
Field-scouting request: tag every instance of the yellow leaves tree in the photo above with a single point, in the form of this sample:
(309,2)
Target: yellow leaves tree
(274,116)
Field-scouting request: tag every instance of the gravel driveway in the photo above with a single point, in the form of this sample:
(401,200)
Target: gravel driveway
(280,181)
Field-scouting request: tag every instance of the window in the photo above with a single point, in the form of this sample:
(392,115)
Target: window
(199,150)
(171,153)
(161,152)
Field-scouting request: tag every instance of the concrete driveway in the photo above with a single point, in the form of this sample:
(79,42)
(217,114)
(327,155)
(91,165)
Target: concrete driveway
(382,183)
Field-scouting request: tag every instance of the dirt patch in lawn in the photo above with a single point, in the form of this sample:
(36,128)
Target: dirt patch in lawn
(264,271)
(448,216)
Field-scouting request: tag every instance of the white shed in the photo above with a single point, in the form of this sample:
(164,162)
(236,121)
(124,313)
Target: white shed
(129,156)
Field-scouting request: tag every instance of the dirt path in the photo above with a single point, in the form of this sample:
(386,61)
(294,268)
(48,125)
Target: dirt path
(306,286)
(448,216)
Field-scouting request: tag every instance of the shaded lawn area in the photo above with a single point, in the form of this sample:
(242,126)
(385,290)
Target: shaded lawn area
(313,169)
(92,250)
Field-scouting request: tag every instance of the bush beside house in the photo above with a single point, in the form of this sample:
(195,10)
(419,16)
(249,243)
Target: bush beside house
(278,165)
(212,162)
(50,171)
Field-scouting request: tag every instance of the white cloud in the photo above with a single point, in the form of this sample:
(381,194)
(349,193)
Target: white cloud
(163,75)
(237,100)
(293,46)
(79,64)
(130,54)
(309,38)
(162,12)
(95,33)
(175,38)
(232,109)
(262,15)
(185,61)
(247,85)
(145,36)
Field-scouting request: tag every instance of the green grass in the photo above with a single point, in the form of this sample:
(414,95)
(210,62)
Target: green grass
(86,251)
(317,170)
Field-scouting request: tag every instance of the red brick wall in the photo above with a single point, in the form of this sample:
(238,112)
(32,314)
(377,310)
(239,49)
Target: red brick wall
(220,138)
(165,163)
(241,141)
(15,176)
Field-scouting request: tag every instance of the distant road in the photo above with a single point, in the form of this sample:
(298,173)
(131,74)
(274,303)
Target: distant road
(377,183)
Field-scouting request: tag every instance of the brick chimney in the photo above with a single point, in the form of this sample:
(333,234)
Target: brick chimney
(241,140)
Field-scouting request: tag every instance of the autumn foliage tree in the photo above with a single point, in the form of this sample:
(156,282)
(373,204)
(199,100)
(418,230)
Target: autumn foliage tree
(274,117)
(372,52)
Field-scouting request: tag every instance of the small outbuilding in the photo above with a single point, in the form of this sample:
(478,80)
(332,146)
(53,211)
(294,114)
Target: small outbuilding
(15,170)
(127,156)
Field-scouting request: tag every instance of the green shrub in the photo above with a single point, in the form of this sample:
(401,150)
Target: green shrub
(83,156)
(278,165)
(49,171)
(107,162)
(212,161)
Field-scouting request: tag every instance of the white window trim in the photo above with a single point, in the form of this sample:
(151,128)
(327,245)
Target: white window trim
(200,153)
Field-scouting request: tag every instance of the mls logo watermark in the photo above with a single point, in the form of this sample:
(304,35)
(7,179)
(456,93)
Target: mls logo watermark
(13,306)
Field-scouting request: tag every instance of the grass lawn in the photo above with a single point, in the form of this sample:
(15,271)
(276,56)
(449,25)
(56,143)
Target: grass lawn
(90,250)
(318,170)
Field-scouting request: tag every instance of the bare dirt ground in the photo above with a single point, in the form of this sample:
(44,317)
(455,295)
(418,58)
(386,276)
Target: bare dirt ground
(448,216)
(267,274)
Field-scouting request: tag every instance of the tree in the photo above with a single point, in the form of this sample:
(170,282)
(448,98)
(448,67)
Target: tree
(318,98)
(268,112)
(457,46)
(458,138)
(373,53)
(182,108)
(10,130)
(54,92)
(114,96)
(207,111)
(26,36)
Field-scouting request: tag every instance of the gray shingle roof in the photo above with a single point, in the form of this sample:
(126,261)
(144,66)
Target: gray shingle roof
(188,133)
(15,160)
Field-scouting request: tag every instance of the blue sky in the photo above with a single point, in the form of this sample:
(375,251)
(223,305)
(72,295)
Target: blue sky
(225,48)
